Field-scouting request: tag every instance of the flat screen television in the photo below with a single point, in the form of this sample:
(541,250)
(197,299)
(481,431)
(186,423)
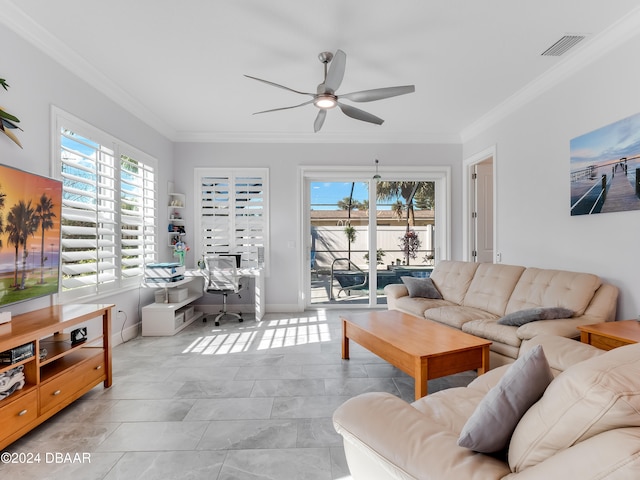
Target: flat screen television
(30,215)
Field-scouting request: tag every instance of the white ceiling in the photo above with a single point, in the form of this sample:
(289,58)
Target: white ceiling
(179,65)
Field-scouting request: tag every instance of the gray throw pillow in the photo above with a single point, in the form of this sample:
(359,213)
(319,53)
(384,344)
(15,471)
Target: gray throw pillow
(421,287)
(515,319)
(491,425)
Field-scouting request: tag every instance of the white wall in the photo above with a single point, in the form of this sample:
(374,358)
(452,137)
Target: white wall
(36,83)
(534,226)
(283,161)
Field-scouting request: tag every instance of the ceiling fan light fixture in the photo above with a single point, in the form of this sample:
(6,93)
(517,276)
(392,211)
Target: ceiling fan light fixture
(325,101)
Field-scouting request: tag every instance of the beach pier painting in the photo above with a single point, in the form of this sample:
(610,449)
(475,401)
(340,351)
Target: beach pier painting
(605,169)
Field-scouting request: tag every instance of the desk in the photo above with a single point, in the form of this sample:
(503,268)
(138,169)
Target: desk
(259,300)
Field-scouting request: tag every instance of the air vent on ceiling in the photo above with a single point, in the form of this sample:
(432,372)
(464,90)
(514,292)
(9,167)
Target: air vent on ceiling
(563,45)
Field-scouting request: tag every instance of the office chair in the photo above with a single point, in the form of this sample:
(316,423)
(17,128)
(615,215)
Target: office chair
(223,280)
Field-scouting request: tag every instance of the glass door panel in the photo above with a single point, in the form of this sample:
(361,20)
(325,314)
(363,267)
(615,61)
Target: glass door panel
(339,229)
(405,227)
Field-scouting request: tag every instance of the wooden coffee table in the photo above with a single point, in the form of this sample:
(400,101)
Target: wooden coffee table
(421,348)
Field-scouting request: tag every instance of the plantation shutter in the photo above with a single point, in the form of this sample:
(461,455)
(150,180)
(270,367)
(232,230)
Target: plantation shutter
(109,209)
(233,213)
(88,253)
(137,216)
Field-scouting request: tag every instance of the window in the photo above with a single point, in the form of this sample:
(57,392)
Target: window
(232,212)
(108,209)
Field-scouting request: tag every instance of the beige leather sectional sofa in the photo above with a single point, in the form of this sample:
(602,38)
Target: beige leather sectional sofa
(585,426)
(477,295)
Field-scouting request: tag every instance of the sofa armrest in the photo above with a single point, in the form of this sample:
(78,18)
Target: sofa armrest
(385,438)
(394,291)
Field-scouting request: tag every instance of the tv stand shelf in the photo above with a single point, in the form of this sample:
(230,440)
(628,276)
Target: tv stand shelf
(65,374)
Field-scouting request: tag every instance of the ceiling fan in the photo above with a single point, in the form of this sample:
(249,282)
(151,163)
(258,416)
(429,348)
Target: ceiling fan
(326,97)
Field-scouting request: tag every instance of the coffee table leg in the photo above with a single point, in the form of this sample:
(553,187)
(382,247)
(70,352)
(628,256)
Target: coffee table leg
(421,378)
(485,361)
(345,341)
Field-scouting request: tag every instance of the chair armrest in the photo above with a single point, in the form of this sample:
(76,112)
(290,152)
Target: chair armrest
(385,437)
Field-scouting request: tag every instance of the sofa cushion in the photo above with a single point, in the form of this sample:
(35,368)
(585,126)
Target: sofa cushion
(421,287)
(455,315)
(591,397)
(491,425)
(553,288)
(417,306)
(516,319)
(492,286)
(452,278)
(490,329)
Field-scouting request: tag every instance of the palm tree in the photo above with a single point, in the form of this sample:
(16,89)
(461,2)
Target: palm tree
(14,238)
(420,194)
(348,203)
(22,223)
(44,216)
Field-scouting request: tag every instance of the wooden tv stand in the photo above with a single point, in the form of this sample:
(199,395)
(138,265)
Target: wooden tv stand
(65,374)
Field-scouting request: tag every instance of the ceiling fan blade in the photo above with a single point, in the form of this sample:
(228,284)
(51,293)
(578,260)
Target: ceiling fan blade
(317,125)
(358,114)
(379,93)
(336,71)
(278,85)
(284,108)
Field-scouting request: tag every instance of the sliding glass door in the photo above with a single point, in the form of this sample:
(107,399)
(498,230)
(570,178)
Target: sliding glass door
(363,234)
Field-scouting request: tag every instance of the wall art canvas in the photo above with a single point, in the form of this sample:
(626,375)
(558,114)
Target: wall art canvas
(605,166)
(30,212)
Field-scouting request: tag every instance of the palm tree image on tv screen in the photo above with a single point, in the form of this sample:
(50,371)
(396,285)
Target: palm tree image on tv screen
(30,211)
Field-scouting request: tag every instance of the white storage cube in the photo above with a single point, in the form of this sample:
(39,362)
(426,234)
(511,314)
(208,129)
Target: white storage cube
(178,295)
(188,311)
(179,319)
(161,296)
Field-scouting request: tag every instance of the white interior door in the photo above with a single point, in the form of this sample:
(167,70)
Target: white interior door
(482,230)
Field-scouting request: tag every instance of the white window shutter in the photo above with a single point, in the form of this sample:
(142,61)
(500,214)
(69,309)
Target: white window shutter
(233,213)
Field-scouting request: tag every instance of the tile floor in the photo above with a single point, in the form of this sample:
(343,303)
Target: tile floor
(248,400)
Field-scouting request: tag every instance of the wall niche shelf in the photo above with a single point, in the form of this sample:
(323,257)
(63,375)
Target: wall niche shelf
(175,217)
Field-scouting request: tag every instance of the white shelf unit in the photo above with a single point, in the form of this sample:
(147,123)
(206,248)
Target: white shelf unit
(166,319)
(175,216)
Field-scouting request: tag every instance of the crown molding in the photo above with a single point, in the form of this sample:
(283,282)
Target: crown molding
(612,37)
(20,23)
(268,137)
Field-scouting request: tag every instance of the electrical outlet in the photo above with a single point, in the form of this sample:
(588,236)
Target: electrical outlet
(498,257)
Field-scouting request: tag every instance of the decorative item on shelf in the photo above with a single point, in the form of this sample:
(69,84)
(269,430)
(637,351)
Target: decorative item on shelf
(78,336)
(11,381)
(7,121)
(179,250)
(17,354)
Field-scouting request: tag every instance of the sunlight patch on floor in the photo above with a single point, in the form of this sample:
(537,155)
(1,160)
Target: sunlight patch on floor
(269,334)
